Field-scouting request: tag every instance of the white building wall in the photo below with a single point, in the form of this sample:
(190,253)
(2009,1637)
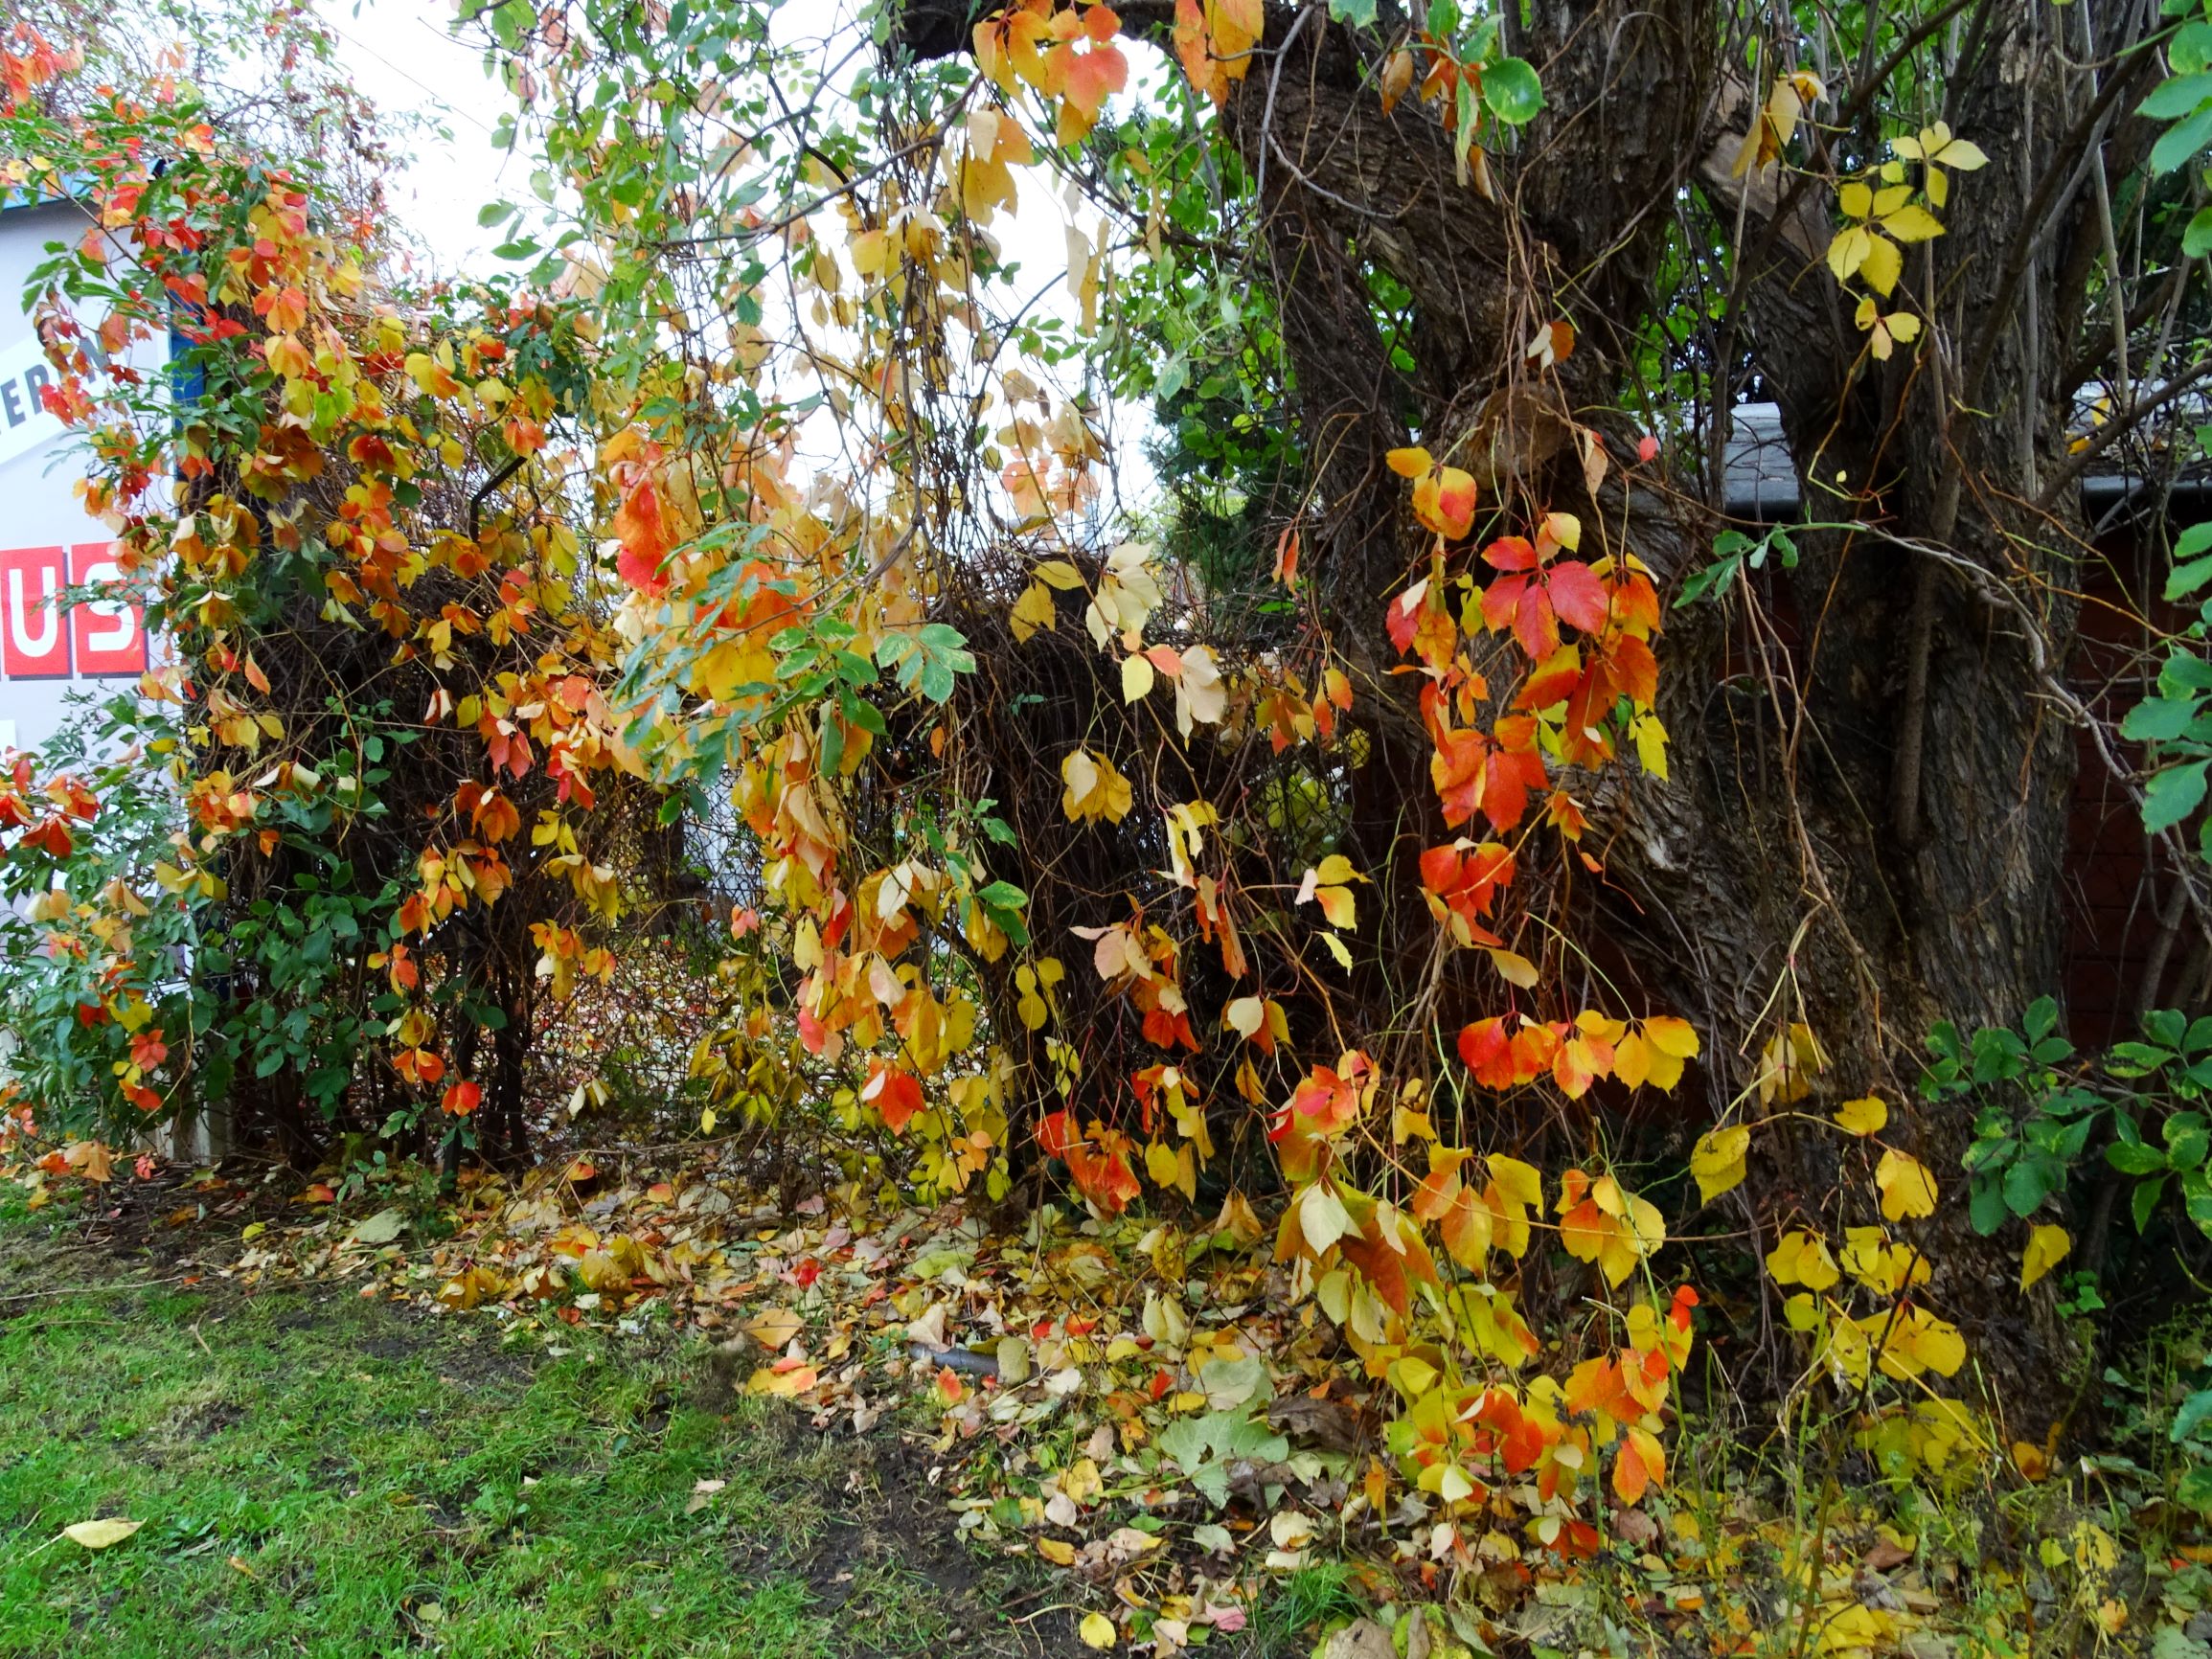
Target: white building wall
(46,536)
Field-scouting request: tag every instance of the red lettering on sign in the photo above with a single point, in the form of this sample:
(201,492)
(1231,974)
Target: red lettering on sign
(109,635)
(34,637)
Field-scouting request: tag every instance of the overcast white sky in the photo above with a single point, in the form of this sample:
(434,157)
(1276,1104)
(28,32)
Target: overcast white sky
(400,56)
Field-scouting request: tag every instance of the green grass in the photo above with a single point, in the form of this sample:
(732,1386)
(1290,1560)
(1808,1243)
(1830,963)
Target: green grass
(319,1475)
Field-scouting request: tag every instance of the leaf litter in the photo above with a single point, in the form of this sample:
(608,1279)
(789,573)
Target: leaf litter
(1134,1403)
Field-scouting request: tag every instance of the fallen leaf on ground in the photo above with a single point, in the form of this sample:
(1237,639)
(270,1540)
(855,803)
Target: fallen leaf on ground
(101,1534)
(382,1228)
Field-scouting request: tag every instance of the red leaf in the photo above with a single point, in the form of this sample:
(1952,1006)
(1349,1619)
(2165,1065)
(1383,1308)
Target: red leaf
(1401,616)
(1486,1052)
(894,1093)
(644,539)
(1440,869)
(1578,596)
(1534,625)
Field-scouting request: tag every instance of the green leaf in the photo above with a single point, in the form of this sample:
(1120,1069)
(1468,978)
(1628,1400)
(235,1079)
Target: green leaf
(2182,141)
(2144,1203)
(2172,795)
(1003,895)
(2184,579)
(2192,1412)
(1510,88)
(2191,48)
(2196,233)
(2159,720)
(2028,1183)
(1715,580)
(2199,1208)
(1986,1209)
(2187,1141)
(1358,14)
(2133,1158)
(2195,1490)
(2172,98)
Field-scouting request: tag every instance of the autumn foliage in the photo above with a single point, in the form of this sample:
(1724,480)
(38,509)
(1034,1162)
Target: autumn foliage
(765,496)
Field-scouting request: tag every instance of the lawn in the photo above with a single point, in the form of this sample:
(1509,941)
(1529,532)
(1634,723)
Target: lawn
(317,1475)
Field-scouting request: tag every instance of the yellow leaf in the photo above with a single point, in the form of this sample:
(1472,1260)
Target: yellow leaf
(1847,252)
(2047,1246)
(1097,1631)
(1408,1125)
(1412,1376)
(1633,1060)
(1058,1551)
(1881,265)
(1856,200)
(1640,1232)
(1059,573)
(1717,1160)
(1650,739)
(101,1534)
(1871,1258)
(1518,1182)
(1093,788)
(774,1328)
(1932,1342)
(1160,1164)
(1336,907)
(1911,223)
(1672,1036)
(1787,1062)
(1908,1188)
(1801,1257)
(1322,1217)
(1514,968)
(1032,611)
(1960,154)
(1408,463)
(1863,1117)
(1083,1480)
(1136,678)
